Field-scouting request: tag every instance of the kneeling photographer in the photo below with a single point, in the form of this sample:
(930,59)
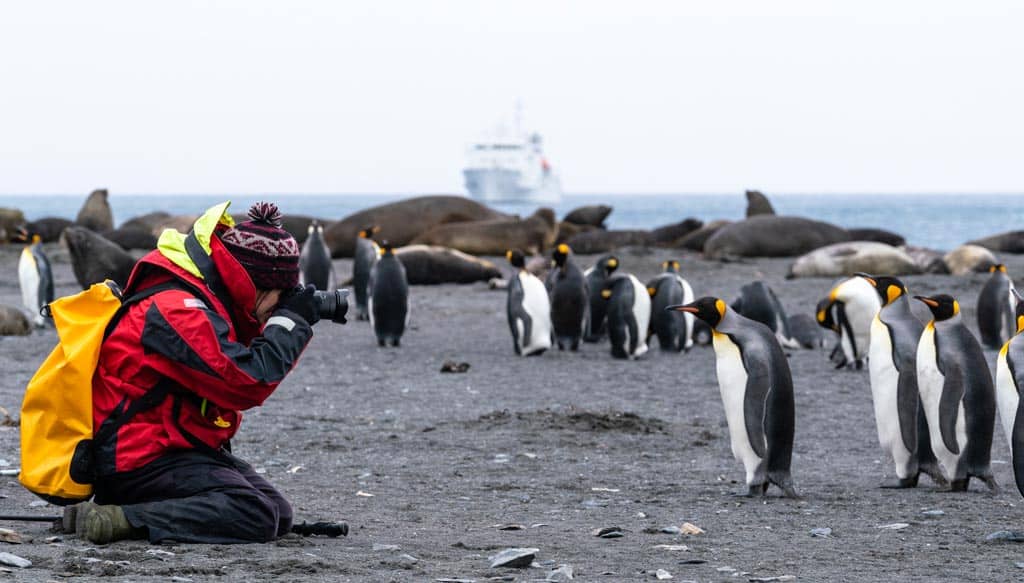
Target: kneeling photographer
(215,320)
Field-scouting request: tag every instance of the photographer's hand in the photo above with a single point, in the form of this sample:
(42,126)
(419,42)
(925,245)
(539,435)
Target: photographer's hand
(302,302)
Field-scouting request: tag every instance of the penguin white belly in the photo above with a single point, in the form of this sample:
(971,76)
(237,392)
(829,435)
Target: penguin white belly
(732,383)
(538,307)
(688,318)
(1007,396)
(642,314)
(884,393)
(28,277)
(929,383)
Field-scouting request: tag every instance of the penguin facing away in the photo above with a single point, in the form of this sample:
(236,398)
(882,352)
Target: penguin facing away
(388,298)
(528,309)
(567,288)
(854,303)
(35,277)
(1009,380)
(757,391)
(315,264)
(892,364)
(629,315)
(365,257)
(996,307)
(758,302)
(596,324)
(674,329)
(957,394)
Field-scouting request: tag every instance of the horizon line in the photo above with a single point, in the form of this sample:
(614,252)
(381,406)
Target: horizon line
(567,194)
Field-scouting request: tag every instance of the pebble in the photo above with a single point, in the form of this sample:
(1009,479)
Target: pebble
(821,532)
(514,557)
(562,573)
(38,503)
(671,530)
(406,559)
(159,553)
(933,513)
(1009,536)
(9,536)
(14,561)
(592,503)
(772,579)
(893,526)
(662,574)
(448,580)
(1019,565)
(608,532)
(672,547)
(693,529)
(181,580)
(380,547)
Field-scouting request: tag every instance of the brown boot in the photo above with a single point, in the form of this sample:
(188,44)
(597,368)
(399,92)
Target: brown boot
(105,524)
(74,517)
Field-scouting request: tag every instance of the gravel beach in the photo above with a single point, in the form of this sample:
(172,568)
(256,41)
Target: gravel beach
(436,472)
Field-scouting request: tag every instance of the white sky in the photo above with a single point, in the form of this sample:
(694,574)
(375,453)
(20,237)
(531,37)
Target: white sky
(384,96)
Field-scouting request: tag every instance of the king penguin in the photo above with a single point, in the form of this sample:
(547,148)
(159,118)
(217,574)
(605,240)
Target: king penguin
(853,303)
(892,364)
(1009,379)
(35,277)
(528,309)
(629,315)
(366,255)
(957,394)
(595,329)
(757,392)
(315,265)
(567,288)
(673,328)
(996,307)
(388,298)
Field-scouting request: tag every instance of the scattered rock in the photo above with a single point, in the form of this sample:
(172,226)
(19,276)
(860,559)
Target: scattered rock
(452,366)
(592,503)
(692,529)
(517,558)
(1019,565)
(509,526)
(38,503)
(406,560)
(160,553)
(608,532)
(672,547)
(382,547)
(14,561)
(933,513)
(562,573)
(1009,536)
(671,530)
(9,536)
(772,579)
(726,570)
(662,574)
(821,532)
(893,526)
(447,580)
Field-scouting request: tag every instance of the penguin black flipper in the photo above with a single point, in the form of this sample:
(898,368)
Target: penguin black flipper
(1017,447)
(755,398)
(907,399)
(46,294)
(781,320)
(949,406)
(516,313)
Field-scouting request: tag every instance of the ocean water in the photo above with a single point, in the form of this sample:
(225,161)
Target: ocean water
(940,221)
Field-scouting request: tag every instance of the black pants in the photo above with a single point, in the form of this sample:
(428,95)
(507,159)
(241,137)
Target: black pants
(198,498)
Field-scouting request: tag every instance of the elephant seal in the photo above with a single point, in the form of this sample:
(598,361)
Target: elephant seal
(1008,242)
(533,234)
(131,238)
(593,215)
(147,222)
(772,236)
(599,241)
(876,235)
(94,259)
(758,204)
(567,231)
(695,241)
(49,229)
(10,220)
(970,258)
(846,259)
(403,220)
(928,260)
(666,235)
(429,265)
(13,322)
(95,214)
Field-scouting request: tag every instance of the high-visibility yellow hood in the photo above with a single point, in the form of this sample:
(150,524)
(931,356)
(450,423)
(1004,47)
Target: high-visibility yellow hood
(172,242)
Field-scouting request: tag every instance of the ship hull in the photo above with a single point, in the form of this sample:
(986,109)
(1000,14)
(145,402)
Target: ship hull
(503,185)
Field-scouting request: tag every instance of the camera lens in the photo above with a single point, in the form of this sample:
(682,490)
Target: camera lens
(333,305)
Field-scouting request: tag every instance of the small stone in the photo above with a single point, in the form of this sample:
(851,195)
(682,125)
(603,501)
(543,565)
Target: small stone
(671,530)
(1009,536)
(772,579)
(672,547)
(406,559)
(562,573)
(52,539)
(382,547)
(364,494)
(641,514)
(821,532)
(4,463)
(608,532)
(454,367)
(933,513)
(38,503)
(893,526)
(662,574)
(1019,565)
(726,570)
(9,536)
(160,553)
(509,526)
(514,557)
(592,503)
(14,561)
(448,580)
(181,579)
(691,529)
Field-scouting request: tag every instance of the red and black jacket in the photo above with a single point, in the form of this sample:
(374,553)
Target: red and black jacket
(200,340)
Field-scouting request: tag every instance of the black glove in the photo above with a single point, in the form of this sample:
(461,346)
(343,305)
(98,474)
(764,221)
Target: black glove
(303,302)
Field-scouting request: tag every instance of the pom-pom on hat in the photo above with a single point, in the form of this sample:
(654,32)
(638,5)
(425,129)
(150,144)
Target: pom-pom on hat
(268,253)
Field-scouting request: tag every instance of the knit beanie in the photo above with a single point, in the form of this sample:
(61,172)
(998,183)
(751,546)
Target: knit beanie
(268,253)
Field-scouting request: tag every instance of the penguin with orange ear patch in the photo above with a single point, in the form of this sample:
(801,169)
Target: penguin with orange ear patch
(757,391)
(1009,380)
(674,329)
(366,255)
(567,288)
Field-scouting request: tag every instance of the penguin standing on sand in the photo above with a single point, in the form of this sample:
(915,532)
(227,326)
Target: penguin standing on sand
(996,307)
(957,394)
(1009,379)
(528,309)
(388,298)
(568,291)
(852,305)
(629,315)
(757,391)
(892,363)
(34,276)
(758,302)
(315,265)
(596,325)
(366,255)
(673,328)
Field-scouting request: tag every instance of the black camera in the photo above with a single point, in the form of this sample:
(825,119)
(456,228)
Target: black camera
(332,305)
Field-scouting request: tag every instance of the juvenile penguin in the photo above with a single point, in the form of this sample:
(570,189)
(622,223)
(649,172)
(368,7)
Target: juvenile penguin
(1009,379)
(996,307)
(388,298)
(758,302)
(596,327)
(568,292)
(315,265)
(757,392)
(35,277)
(856,305)
(629,315)
(528,309)
(957,394)
(673,328)
(366,254)
(892,363)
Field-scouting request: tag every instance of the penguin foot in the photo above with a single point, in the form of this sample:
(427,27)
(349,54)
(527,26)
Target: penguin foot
(396,343)
(959,485)
(789,491)
(900,483)
(381,343)
(932,471)
(990,481)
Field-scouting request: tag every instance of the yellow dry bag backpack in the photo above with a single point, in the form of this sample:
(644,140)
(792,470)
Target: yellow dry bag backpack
(56,415)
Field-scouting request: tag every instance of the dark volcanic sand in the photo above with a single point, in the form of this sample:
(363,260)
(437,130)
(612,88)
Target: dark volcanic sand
(562,444)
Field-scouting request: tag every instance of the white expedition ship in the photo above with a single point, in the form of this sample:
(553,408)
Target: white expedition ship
(509,166)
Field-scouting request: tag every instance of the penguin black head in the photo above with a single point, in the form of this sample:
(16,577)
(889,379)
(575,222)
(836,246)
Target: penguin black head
(997,267)
(708,309)
(943,306)
(516,258)
(823,315)
(386,250)
(560,254)
(21,235)
(670,266)
(889,288)
(609,264)
(369,232)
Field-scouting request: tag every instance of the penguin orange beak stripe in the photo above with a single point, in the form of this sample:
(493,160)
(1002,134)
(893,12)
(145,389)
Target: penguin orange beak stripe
(689,309)
(928,301)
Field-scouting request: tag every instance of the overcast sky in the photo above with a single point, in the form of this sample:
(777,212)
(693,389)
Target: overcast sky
(385,96)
